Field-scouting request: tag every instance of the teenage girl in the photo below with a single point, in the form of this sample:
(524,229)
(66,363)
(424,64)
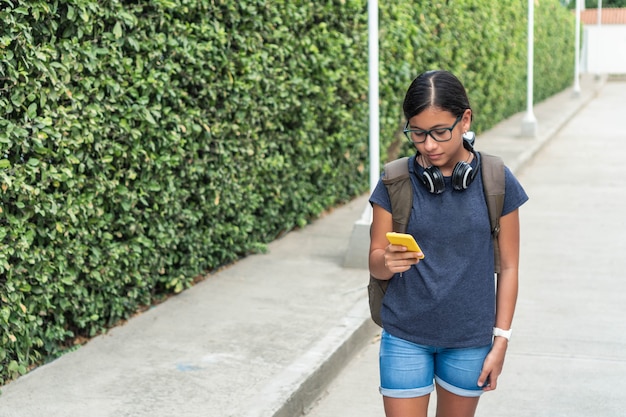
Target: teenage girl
(446,324)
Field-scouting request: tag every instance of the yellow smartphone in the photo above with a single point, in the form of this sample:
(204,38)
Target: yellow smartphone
(404,239)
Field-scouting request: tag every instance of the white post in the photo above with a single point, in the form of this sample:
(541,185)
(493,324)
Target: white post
(357,255)
(577,52)
(374,146)
(599,13)
(529,122)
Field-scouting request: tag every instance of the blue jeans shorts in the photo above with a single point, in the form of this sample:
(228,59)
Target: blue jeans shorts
(408,370)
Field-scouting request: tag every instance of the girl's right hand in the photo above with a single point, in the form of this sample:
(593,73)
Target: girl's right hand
(399,259)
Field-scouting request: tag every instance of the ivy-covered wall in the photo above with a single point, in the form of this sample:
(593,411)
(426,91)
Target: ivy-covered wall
(144,144)
(484,43)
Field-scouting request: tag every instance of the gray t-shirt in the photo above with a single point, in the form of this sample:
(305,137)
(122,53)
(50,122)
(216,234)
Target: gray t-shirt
(448,298)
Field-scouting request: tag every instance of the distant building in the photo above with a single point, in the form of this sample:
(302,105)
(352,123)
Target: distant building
(604,43)
(609,16)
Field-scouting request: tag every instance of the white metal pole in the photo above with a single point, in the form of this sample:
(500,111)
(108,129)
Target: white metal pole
(577,52)
(357,255)
(374,146)
(599,13)
(529,122)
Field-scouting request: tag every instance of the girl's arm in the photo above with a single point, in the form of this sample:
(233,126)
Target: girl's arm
(506,297)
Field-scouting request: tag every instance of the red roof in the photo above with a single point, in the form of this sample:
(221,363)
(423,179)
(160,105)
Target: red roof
(610,16)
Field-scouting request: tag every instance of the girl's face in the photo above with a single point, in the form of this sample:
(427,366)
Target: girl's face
(441,124)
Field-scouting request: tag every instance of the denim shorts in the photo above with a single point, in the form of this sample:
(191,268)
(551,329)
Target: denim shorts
(408,370)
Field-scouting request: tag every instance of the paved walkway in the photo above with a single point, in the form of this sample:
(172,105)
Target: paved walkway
(263,337)
(567,356)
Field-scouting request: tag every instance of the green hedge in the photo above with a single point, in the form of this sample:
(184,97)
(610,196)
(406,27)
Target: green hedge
(484,43)
(145,144)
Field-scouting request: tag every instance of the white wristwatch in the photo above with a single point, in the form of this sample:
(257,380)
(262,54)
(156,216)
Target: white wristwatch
(503,333)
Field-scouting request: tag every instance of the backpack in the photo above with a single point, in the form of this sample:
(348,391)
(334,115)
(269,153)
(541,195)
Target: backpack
(396,179)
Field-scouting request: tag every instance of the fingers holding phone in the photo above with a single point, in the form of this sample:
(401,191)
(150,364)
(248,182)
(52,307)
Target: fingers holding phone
(402,252)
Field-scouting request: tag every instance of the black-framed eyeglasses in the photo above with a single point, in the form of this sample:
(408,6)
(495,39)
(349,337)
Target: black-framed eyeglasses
(439,134)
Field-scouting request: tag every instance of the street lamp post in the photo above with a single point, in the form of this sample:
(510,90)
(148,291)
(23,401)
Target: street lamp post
(599,12)
(374,146)
(529,122)
(357,254)
(577,52)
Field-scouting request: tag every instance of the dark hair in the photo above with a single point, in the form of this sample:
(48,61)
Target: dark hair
(440,89)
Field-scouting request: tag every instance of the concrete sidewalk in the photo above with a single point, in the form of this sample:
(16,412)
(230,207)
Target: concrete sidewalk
(567,356)
(266,335)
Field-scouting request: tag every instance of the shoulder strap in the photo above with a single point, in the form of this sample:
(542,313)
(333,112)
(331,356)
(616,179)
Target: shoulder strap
(398,183)
(492,168)
(396,179)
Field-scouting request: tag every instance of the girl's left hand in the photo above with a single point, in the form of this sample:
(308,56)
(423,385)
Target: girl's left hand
(492,367)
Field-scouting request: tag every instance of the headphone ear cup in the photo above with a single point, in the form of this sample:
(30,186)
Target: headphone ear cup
(433,180)
(462,176)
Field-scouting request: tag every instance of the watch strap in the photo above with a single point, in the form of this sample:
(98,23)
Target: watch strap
(502,333)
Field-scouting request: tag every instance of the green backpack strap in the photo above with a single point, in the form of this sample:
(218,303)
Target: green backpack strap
(492,168)
(398,182)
